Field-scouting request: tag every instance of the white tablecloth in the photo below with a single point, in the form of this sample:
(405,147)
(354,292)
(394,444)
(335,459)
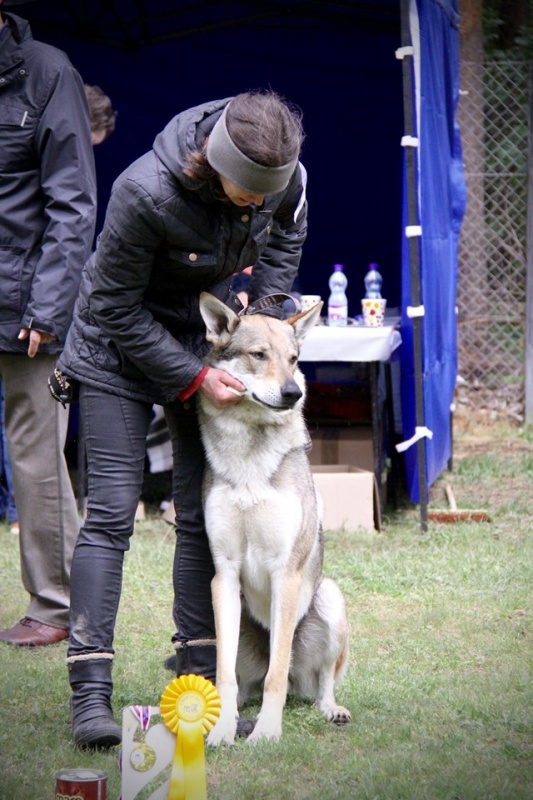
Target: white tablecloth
(352,343)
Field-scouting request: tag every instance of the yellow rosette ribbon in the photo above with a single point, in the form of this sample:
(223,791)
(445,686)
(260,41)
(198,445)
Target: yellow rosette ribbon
(190,706)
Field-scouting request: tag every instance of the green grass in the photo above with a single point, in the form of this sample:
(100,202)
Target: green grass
(440,680)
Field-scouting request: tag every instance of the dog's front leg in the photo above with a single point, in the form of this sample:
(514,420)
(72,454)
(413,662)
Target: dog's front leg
(284,609)
(225,590)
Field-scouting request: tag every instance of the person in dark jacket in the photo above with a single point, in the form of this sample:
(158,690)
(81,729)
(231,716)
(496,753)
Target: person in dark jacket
(221,189)
(102,115)
(47,220)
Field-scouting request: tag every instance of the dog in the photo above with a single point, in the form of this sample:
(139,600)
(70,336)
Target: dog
(281,625)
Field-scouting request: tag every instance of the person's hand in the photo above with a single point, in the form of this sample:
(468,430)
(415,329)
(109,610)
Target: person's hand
(218,385)
(36,339)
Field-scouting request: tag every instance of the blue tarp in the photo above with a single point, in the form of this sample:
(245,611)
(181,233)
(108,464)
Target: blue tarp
(441,203)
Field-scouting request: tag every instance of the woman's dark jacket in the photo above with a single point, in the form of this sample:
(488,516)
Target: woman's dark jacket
(47,187)
(137,329)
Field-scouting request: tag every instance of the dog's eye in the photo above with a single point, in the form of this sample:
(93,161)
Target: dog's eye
(258,354)
(293,360)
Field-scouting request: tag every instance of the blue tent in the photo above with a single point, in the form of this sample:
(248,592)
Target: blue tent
(434,203)
(339,62)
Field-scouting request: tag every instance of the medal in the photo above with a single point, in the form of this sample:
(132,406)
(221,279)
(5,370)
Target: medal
(143,757)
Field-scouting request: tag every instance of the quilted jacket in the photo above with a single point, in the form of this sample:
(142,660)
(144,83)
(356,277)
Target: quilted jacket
(47,187)
(137,329)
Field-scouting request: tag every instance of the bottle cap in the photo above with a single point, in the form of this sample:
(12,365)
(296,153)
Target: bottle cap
(337,267)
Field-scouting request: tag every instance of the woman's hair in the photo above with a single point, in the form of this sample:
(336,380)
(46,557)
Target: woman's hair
(263,126)
(101,113)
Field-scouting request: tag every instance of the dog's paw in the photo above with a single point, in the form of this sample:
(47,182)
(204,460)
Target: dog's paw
(267,728)
(338,714)
(222,733)
(266,736)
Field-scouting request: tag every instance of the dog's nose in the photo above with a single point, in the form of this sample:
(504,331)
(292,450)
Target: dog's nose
(290,393)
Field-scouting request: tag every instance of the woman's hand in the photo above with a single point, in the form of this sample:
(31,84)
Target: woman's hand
(218,387)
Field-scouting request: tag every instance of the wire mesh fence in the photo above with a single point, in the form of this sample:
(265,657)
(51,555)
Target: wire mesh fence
(493,115)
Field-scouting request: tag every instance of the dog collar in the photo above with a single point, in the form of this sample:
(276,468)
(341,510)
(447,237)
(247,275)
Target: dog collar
(268,301)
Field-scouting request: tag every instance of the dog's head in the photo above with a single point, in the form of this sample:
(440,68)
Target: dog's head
(261,351)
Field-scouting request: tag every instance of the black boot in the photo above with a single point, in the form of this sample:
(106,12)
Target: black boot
(93,724)
(199,657)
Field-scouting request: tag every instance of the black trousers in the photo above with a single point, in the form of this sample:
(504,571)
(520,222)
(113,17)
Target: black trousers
(115,430)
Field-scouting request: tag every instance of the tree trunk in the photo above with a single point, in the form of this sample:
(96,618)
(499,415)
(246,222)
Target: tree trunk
(514,15)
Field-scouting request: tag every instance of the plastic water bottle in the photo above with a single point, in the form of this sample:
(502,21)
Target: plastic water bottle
(338,302)
(373,282)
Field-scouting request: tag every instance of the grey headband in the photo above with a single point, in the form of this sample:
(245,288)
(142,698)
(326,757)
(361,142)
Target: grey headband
(226,158)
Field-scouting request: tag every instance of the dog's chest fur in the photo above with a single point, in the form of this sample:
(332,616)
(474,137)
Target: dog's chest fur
(260,503)
(245,456)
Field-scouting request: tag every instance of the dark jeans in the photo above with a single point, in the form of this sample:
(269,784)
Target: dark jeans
(115,430)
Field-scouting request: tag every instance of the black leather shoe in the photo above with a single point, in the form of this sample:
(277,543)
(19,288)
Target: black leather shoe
(97,733)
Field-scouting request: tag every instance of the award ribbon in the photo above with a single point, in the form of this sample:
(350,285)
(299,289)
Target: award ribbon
(143,757)
(190,706)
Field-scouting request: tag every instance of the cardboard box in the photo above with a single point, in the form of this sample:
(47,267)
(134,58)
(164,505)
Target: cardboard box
(350,497)
(343,446)
(349,490)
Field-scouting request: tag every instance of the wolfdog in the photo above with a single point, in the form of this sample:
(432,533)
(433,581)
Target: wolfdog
(281,625)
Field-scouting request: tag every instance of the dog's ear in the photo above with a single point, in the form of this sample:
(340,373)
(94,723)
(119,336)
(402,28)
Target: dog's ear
(220,320)
(303,322)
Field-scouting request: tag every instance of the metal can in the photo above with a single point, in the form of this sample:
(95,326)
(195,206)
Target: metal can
(81,784)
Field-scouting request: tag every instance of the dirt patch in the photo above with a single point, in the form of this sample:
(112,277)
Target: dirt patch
(481,405)
(487,424)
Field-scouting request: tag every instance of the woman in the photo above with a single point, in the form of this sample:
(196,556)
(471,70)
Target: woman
(222,189)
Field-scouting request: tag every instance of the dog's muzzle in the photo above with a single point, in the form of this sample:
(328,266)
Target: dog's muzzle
(289,395)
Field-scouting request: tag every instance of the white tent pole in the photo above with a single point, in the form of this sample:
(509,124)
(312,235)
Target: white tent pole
(413,224)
